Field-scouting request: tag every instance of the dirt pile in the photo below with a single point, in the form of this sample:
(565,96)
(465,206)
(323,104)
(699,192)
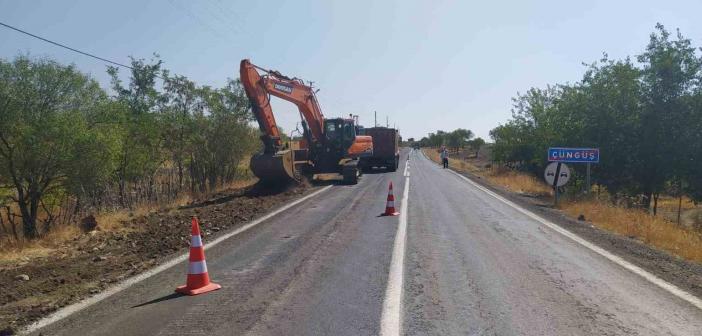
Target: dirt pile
(98,259)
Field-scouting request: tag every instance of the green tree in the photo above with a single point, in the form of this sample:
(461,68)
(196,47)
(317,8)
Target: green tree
(476,144)
(458,138)
(670,72)
(43,132)
(181,101)
(141,150)
(611,122)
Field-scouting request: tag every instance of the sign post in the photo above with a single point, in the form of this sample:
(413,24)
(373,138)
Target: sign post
(576,155)
(587,179)
(557,175)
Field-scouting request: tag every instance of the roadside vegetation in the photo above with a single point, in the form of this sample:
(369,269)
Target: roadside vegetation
(71,150)
(512,180)
(643,112)
(644,115)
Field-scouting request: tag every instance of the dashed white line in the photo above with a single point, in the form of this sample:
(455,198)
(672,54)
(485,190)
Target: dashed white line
(78,306)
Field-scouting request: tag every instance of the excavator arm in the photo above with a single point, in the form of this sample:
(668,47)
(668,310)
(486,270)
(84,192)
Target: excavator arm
(293,90)
(260,106)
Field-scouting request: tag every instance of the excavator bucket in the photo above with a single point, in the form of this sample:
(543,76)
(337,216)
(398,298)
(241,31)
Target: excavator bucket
(274,168)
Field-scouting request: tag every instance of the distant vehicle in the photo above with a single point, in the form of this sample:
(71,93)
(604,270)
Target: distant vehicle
(386,149)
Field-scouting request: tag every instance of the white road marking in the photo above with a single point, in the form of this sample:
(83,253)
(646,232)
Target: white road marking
(71,309)
(611,257)
(391,318)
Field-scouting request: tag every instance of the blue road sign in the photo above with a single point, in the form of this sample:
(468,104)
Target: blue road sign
(584,155)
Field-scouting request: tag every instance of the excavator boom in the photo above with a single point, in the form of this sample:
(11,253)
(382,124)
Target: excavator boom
(261,106)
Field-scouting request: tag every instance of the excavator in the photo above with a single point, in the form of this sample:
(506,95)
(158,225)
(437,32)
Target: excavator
(328,146)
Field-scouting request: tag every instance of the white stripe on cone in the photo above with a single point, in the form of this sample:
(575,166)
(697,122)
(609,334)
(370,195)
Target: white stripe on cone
(195,241)
(197,267)
(391,204)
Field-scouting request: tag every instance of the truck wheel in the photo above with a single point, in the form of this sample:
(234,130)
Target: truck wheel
(393,165)
(350,176)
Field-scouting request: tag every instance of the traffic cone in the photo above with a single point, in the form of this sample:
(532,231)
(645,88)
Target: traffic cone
(198,281)
(390,205)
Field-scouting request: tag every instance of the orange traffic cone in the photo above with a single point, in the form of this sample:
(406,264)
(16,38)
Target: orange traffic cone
(390,206)
(198,280)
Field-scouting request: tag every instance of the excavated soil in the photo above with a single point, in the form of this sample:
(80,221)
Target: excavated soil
(97,260)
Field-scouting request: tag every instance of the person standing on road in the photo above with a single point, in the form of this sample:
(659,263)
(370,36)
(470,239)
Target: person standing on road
(444,157)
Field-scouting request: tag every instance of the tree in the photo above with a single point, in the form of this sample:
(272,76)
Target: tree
(476,144)
(141,128)
(181,100)
(640,118)
(670,71)
(458,138)
(43,132)
(225,136)
(610,120)
(437,139)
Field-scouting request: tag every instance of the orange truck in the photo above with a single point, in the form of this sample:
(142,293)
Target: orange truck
(386,149)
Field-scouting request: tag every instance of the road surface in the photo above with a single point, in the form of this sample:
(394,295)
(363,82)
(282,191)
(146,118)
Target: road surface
(473,265)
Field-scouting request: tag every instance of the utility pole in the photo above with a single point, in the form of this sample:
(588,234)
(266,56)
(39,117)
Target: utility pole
(387,122)
(375,115)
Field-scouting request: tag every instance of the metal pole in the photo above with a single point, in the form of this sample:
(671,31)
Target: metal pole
(375,114)
(587,180)
(555,184)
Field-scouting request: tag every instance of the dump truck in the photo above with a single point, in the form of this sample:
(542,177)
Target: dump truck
(386,149)
(329,146)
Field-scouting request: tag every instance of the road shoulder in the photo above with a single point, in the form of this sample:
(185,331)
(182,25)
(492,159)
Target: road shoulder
(684,274)
(135,256)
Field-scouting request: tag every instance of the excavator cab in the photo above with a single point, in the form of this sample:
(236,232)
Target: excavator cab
(339,136)
(340,133)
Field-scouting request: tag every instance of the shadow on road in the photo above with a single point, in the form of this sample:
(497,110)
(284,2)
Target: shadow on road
(161,299)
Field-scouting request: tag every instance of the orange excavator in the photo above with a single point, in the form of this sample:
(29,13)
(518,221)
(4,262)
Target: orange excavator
(328,146)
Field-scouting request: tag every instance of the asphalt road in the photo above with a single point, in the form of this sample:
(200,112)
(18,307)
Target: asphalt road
(472,266)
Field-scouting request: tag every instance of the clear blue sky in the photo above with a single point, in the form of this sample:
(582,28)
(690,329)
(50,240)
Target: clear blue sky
(426,65)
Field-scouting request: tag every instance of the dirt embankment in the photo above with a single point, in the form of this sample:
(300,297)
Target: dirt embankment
(34,288)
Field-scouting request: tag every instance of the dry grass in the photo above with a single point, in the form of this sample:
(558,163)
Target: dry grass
(519,182)
(113,220)
(667,202)
(512,180)
(457,164)
(655,231)
(12,251)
